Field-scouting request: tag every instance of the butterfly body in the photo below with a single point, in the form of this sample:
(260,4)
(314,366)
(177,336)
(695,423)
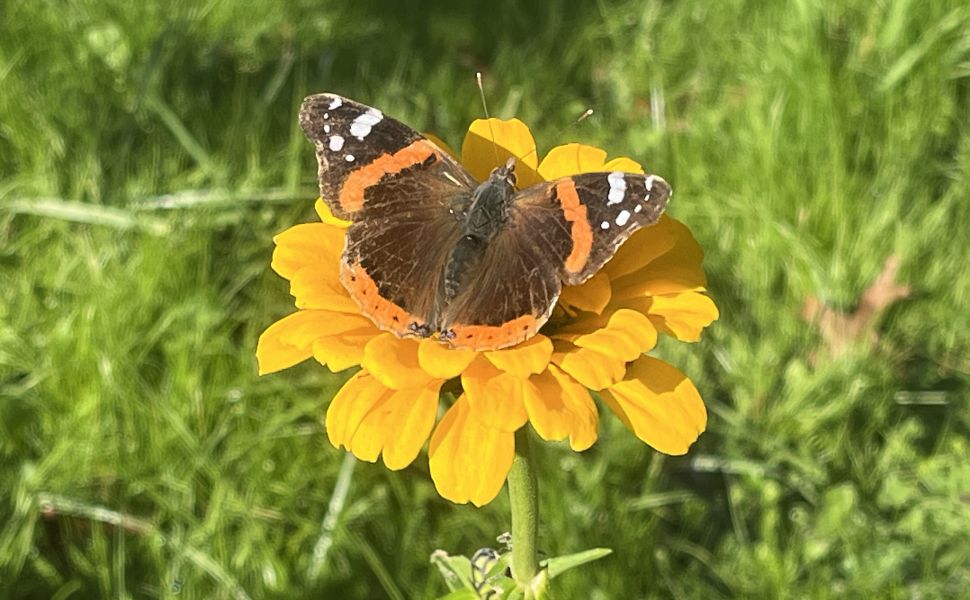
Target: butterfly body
(430,251)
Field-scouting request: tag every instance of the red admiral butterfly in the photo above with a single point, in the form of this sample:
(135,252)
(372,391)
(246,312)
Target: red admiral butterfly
(432,251)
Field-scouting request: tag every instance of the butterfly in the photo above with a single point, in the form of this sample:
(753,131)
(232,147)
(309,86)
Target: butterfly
(432,252)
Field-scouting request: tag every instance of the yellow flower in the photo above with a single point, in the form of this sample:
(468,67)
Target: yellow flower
(595,340)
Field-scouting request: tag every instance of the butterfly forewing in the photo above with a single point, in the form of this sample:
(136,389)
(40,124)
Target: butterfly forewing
(404,197)
(593,214)
(357,146)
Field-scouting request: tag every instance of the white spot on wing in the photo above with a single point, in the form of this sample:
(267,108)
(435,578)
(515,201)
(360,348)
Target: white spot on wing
(622,218)
(617,188)
(335,103)
(326,115)
(336,143)
(605,225)
(638,208)
(349,158)
(451,178)
(649,182)
(326,129)
(364,122)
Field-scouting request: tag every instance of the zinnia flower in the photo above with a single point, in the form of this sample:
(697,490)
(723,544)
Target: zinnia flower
(596,341)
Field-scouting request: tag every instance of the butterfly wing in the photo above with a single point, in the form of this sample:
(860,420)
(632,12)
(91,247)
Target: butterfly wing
(404,197)
(560,231)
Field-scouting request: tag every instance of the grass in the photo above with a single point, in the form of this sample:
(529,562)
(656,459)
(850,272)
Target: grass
(149,153)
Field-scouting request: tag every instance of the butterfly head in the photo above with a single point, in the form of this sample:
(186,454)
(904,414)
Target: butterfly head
(505,173)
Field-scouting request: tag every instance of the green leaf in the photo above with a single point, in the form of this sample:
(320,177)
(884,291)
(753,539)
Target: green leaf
(462,594)
(456,570)
(560,564)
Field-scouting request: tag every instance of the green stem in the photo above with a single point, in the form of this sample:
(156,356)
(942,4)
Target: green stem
(524,502)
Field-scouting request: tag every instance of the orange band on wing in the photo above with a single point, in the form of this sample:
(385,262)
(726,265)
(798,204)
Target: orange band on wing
(352,192)
(487,337)
(581,232)
(384,313)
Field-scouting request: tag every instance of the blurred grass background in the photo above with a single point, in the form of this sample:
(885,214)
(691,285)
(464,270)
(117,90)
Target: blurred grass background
(149,152)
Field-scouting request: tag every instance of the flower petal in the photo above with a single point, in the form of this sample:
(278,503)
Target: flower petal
(659,404)
(683,316)
(593,295)
(529,357)
(627,335)
(343,350)
(370,420)
(443,362)
(558,406)
(591,368)
(469,461)
(571,159)
(291,339)
(319,287)
(495,397)
(327,217)
(306,245)
(622,163)
(350,406)
(643,246)
(273,354)
(677,269)
(394,362)
(479,154)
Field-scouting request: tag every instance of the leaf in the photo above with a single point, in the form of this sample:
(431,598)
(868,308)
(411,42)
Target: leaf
(560,564)
(456,571)
(843,330)
(462,594)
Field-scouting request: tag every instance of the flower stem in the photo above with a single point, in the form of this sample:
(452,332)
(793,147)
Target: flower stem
(524,502)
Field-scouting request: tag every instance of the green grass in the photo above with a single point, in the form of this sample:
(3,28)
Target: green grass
(148,155)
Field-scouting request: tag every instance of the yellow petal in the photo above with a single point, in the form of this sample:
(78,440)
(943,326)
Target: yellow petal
(443,362)
(643,246)
(479,154)
(593,295)
(683,316)
(659,404)
(306,245)
(350,406)
(469,462)
(343,350)
(592,369)
(676,270)
(622,163)
(319,287)
(495,397)
(522,360)
(571,159)
(272,354)
(627,335)
(370,420)
(290,340)
(394,362)
(559,407)
(327,217)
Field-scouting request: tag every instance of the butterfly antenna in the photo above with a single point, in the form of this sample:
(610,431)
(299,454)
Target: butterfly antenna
(488,119)
(586,114)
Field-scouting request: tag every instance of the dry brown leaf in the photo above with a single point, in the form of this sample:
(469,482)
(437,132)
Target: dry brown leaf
(841,330)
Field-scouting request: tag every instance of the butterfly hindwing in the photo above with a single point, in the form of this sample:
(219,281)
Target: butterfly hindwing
(508,294)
